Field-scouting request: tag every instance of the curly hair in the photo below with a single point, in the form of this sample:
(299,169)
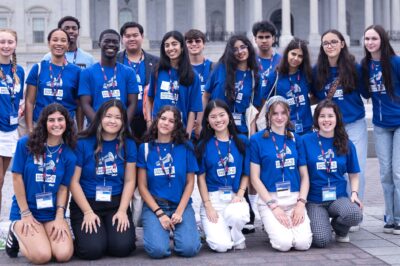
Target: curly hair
(95,128)
(208,132)
(346,66)
(268,116)
(178,135)
(340,139)
(230,62)
(38,137)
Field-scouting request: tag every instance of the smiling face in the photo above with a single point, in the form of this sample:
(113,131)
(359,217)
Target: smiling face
(56,124)
(278,116)
(332,45)
(72,29)
(109,45)
(111,122)
(132,39)
(327,121)
(372,41)
(58,43)
(195,46)
(218,119)
(8,44)
(166,124)
(172,48)
(241,51)
(295,58)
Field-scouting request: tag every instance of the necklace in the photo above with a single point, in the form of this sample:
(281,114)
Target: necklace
(50,153)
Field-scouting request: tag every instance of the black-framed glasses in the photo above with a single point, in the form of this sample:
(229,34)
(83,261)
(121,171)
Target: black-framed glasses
(332,43)
(240,49)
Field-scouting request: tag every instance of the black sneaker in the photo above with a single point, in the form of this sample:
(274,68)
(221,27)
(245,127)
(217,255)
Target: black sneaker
(388,228)
(396,229)
(12,246)
(248,229)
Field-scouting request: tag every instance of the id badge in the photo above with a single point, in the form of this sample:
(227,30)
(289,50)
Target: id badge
(238,119)
(282,189)
(225,193)
(328,193)
(103,193)
(298,126)
(44,200)
(13,119)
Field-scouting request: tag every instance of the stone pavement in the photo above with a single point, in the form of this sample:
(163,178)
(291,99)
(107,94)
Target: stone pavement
(369,246)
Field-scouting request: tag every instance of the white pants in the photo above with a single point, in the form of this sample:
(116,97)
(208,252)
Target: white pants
(282,238)
(227,232)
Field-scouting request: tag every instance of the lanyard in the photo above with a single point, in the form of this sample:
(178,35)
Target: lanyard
(11,90)
(75,55)
(172,87)
(378,88)
(169,174)
(239,88)
(114,164)
(295,93)
(54,167)
(201,74)
(280,156)
(53,85)
(133,64)
(328,164)
(221,159)
(268,70)
(114,80)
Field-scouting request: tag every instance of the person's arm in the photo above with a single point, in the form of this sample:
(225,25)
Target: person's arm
(127,194)
(130,111)
(30,100)
(298,213)
(58,232)
(164,220)
(86,103)
(244,182)
(79,115)
(211,213)
(204,99)
(190,123)
(149,111)
(354,179)
(90,219)
(187,192)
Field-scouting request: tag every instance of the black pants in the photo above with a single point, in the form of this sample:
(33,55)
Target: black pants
(107,240)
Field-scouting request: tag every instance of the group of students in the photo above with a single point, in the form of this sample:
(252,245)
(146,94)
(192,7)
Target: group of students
(305,168)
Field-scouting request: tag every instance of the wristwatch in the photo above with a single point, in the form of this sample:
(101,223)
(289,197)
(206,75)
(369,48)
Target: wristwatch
(271,202)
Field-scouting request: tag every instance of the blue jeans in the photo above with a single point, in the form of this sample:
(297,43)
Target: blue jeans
(358,134)
(387,146)
(156,238)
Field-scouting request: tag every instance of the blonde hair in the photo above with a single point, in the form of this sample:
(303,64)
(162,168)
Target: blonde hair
(13,59)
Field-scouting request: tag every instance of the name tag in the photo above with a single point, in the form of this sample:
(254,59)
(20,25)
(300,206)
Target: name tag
(140,95)
(282,189)
(44,200)
(103,193)
(298,126)
(14,118)
(238,119)
(114,93)
(225,193)
(164,86)
(328,193)
(49,92)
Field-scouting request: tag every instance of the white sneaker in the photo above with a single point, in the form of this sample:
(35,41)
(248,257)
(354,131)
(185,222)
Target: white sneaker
(355,228)
(240,246)
(342,239)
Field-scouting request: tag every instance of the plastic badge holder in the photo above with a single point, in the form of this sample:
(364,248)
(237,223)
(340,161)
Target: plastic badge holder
(44,200)
(103,193)
(283,189)
(328,193)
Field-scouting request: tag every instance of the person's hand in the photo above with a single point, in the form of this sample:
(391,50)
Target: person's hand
(236,199)
(176,218)
(354,198)
(211,213)
(298,214)
(90,222)
(29,225)
(21,110)
(58,230)
(281,216)
(166,222)
(197,129)
(123,221)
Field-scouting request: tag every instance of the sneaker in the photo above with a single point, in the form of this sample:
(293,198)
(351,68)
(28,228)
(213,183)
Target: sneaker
(12,247)
(240,246)
(396,229)
(355,228)
(388,228)
(342,239)
(248,229)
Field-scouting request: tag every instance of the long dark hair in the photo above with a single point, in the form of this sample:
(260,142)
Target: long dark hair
(208,132)
(38,138)
(230,62)
(95,128)
(387,52)
(305,66)
(185,70)
(346,66)
(178,135)
(340,139)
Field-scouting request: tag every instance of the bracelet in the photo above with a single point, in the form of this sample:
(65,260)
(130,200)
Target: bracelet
(271,202)
(87,212)
(26,213)
(354,192)
(274,207)
(61,207)
(204,202)
(302,200)
(243,189)
(160,215)
(156,210)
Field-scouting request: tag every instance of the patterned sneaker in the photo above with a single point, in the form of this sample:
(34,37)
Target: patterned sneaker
(12,247)
(388,228)
(248,229)
(396,229)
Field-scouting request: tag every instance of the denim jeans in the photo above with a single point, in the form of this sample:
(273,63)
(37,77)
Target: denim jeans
(358,134)
(387,146)
(156,238)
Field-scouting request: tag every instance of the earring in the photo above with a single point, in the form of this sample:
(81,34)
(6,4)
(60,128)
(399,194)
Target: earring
(208,126)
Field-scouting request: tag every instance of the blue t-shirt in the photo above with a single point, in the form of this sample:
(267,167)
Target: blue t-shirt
(9,105)
(110,158)
(61,90)
(179,158)
(79,57)
(186,99)
(350,104)
(267,66)
(92,84)
(238,164)
(203,70)
(386,111)
(340,165)
(243,92)
(31,169)
(295,88)
(263,153)
(140,70)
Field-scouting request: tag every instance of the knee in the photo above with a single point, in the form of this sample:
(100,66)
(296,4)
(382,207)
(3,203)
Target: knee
(64,254)
(188,250)
(40,256)
(282,244)
(219,246)
(121,248)
(303,243)
(93,251)
(321,240)
(157,251)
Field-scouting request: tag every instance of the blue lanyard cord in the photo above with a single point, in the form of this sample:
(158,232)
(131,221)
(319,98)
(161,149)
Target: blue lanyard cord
(169,174)
(175,93)
(281,157)
(11,90)
(114,163)
(53,170)
(225,164)
(114,80)
(328,164)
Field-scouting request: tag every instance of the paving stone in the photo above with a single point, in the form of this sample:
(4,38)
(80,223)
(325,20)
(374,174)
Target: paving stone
(383,251)
(373,243)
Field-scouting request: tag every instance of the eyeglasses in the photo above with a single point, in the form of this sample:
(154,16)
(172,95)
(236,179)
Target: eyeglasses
(332,43)
(240,49)
(194,41)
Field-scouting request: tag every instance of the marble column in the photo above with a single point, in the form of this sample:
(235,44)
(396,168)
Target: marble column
(286,35)
(368,12)
(113,15)
(342,20)
(314,38)
(396,18)
(199,15)
(386,15)
(85,41)
(229,17)
(142,19)
(169,15)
